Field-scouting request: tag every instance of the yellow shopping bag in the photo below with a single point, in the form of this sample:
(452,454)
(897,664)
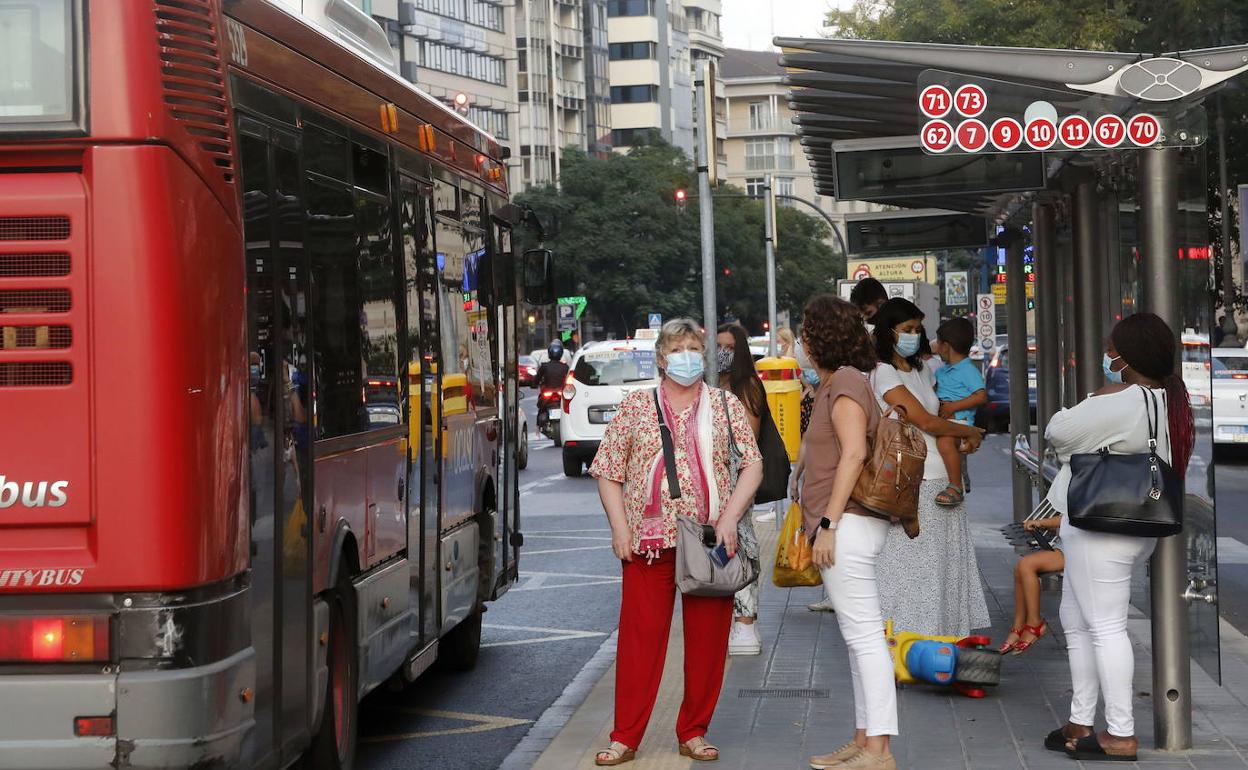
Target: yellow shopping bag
(793,564)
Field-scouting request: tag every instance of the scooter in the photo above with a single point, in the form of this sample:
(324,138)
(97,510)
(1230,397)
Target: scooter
(549,414)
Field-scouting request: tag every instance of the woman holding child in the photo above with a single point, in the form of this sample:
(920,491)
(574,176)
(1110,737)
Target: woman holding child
(929,585)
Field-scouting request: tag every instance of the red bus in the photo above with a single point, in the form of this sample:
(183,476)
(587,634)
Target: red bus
(258,322)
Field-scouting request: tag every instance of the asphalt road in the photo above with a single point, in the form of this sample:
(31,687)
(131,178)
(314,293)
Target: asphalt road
(1231,484)
(536,638)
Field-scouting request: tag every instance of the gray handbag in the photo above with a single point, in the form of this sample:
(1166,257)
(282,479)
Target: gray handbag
(697,574)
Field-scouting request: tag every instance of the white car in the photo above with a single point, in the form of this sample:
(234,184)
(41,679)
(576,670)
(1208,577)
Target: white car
(1230,396)
(603,373)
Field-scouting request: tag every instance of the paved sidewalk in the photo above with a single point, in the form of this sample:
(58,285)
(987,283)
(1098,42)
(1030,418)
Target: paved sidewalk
(809,707)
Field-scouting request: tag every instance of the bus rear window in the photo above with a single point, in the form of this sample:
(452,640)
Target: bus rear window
(40,72)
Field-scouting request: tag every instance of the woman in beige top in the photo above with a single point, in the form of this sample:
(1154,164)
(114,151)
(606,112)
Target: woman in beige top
(848,539)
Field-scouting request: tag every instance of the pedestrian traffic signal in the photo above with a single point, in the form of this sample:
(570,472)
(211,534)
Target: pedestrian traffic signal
(461,103)
(681,197)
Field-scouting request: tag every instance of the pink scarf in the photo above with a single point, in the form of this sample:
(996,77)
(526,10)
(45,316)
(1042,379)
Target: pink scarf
(684,435)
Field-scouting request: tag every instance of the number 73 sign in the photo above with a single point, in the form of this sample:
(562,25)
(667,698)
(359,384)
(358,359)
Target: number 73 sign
(961,115)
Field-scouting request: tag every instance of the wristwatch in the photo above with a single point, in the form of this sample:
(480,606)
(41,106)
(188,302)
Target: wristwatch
(826,523)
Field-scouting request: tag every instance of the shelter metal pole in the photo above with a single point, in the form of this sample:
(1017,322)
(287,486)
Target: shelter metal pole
(1089,297)
(1066,263)
(769,236)
(1048,315)
(1172,671)
(706,217)
(1016,329)
(1224,193)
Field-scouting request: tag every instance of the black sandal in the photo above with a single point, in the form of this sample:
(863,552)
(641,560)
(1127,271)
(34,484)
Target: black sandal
(1056,740)
(1088,749)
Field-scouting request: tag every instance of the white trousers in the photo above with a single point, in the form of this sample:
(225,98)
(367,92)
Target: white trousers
(1095,598)
(852,588)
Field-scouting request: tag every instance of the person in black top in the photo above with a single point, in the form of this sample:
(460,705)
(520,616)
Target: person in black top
(551,376)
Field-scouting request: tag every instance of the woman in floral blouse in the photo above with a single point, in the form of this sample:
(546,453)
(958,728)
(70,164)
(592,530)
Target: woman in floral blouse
(642,513)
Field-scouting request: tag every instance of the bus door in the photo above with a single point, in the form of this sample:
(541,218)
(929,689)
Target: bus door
(423,402)
(280,446)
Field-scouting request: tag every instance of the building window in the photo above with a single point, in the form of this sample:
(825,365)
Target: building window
(456,61)
(634,94)
(477,12)
(784,186)
(493,122)
(633,137)
(754,186)
(626,51)
(760,116)
(630,8)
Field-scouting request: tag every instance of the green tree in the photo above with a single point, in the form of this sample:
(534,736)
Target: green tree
(622,241)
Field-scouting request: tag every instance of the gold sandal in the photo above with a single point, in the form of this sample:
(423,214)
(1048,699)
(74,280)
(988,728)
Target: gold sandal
(615,756)
(701,752)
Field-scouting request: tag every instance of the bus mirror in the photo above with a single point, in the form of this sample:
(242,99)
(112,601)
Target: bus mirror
(539,277)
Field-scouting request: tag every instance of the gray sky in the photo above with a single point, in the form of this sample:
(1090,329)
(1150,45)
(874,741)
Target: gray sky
(748,23)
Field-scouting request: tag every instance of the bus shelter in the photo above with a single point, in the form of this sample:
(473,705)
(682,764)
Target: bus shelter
(1089,169)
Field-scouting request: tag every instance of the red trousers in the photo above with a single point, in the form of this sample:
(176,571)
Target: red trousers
(645,623)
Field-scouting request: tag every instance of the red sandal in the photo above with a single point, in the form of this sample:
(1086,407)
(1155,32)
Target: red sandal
(1037,631)
(1008,645)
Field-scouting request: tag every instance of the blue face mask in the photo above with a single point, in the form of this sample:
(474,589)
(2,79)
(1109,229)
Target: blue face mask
(907,344)
(1107,364)
(811,376)
(686,366)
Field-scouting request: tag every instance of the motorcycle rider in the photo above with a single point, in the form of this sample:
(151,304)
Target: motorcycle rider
(551,375)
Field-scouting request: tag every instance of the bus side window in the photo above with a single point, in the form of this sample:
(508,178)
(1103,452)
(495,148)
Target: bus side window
(378,315)
(335,309)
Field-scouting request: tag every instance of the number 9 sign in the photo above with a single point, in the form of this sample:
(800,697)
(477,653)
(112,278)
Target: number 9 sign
(1007,134)
(936,136)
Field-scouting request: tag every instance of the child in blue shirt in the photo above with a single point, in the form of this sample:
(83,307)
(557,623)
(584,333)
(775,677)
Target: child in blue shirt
(960,387)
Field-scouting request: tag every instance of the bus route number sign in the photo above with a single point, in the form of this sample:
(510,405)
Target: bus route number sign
(961,118)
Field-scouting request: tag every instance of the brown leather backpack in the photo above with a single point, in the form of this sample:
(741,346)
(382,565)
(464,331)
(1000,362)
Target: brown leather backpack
(889,483)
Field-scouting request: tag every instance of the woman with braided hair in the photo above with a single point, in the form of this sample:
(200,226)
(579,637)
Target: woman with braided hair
(1139,363)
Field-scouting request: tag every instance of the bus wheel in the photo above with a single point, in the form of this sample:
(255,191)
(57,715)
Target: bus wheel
(460,648)
(333,748)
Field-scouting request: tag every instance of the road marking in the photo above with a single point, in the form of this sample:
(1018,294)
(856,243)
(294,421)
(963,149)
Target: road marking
(538,581)
(1231,551)
(481,723)
(535,484)
(566,537)
(527,552)
(551,635)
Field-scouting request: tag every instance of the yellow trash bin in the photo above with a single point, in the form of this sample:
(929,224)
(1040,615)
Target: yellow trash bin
(781,378)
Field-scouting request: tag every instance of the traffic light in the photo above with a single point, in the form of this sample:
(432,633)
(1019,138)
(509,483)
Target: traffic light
(461,103)
(681,197)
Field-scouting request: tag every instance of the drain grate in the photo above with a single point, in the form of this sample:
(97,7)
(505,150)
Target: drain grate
(783,693)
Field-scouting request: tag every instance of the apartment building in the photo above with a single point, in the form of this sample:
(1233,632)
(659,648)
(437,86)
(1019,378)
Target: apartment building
(452,47)
(562,85)
(761,138)
(654,48)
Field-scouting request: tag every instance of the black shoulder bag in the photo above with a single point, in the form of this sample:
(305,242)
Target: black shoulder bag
(1138,495)
(776,468)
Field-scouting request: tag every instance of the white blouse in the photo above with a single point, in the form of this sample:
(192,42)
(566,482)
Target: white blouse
(921,383)
(1116,421)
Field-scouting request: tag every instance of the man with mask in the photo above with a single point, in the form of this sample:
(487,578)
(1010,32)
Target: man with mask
(867,295)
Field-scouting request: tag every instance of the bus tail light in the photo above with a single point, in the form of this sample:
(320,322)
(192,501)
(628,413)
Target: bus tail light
(54,639)
(93,726)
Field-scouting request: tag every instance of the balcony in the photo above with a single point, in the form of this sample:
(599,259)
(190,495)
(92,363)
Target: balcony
(769,163)
(759,124)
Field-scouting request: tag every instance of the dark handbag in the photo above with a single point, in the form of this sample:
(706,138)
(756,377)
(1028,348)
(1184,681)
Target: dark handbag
(1138,495)
(776,468)
(697,574)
